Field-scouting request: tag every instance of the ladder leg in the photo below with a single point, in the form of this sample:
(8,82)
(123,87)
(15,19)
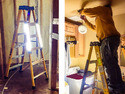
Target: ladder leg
(34,17)
(101,70)
(31,70)
(95,82)
(44,64)
(17,50)
(24,47)
(13,42)
(85,71)
(23,52)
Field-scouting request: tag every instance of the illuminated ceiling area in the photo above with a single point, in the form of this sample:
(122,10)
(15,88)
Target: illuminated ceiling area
(71,7)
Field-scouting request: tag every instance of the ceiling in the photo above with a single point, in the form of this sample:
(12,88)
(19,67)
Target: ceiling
(71,7)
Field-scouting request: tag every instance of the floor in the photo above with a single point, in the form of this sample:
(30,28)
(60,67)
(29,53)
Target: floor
(20,83)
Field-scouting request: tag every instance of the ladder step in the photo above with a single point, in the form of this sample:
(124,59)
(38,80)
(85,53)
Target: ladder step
(15,66)
(19,44)
(32,24)
(98,80)
(36,62)
(35,48)
(32,36)
(93,61)
(33,41)
(39,74)
(17,56)
(21,34)
(92,87)
(22,21)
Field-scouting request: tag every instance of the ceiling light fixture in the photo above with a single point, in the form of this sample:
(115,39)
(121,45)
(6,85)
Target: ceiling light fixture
(82,29)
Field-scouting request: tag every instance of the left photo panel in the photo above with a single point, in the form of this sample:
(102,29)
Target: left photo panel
(29,54)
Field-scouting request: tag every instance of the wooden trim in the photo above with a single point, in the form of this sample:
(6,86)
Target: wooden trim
(41,14)
(14,3)
(3,55)
(72,22)
(54,58)
(28,2)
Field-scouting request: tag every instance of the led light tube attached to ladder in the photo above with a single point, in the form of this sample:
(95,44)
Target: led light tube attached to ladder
(28,42)
(39,35)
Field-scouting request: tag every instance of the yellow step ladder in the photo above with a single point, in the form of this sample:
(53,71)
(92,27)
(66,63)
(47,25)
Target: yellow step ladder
(27,43)
(99,65)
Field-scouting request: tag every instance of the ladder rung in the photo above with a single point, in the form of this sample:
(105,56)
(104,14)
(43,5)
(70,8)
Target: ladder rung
(22,21)
(98,80)
(19,44)
(32,24)
(33,41)
(35,48)
(91,86)
(36,62)
(17,56)
(21,34)
(15,66)
(93,61)
(32,36)
(39,74)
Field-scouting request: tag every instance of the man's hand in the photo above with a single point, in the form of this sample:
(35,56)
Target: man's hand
(83,17)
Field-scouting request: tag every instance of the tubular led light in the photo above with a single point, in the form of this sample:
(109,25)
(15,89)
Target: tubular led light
(28,42)
(39,35)
(89,80)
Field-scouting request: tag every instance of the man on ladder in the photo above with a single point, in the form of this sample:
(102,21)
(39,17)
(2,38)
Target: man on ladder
(109,38)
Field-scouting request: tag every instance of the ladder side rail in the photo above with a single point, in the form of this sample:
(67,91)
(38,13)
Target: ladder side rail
(13,42)
(39,45)
(101,70)
(44,64)
(95,80)
(34,17)
(24,47)
(30,57)
(17,50)
(28,15)
(32,74)
(85,71)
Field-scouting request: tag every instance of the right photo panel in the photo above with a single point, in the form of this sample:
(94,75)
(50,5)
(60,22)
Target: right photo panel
(94,47)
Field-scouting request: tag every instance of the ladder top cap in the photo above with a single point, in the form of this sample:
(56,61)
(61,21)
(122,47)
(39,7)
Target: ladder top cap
(95,44)
(26,8)
(23,7)
(31,8)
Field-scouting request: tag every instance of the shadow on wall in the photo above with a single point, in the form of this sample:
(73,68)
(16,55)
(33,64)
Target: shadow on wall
(117,2)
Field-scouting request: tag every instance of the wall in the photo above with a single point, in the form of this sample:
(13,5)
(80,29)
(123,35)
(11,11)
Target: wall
(46,26)
(8,20)
(81,61)
(120,23)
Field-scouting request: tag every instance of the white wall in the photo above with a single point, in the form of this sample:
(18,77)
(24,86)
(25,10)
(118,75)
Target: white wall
(8,20)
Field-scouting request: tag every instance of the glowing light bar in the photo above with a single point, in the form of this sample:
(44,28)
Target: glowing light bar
(39,35)
(90,80)
(28,42)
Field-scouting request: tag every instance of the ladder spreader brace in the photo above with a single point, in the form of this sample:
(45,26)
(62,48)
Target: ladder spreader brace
(99,65)
(27,40)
